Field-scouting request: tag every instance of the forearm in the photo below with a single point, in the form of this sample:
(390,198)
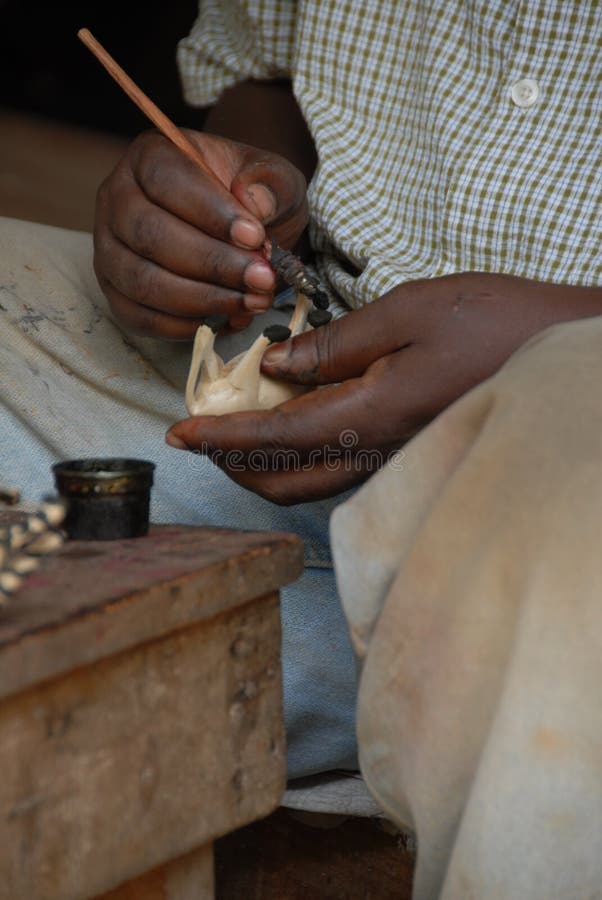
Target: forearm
(265,114)
(525,301)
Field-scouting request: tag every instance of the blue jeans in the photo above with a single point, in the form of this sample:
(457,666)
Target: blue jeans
(318,665)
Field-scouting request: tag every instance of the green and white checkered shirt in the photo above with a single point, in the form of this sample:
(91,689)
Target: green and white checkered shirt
(452,135)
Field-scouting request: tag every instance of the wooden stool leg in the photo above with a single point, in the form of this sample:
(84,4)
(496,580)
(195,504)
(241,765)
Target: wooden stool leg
(188,878)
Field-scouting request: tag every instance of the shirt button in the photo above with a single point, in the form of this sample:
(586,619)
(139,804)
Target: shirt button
(524,93)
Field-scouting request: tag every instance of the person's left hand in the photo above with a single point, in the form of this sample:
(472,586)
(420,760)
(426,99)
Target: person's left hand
(389,368)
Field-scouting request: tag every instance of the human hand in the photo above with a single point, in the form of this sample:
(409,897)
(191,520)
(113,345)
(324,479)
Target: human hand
(172,246)
(388,370)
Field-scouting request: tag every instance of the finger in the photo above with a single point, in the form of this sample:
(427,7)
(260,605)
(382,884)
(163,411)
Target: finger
(273,190)
(378,410)
(298,485)
(290,425)
(239,323)
(143,282)
(158,235)
(148,322)
(343,349)
(172,181)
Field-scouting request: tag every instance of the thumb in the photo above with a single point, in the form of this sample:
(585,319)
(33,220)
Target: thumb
(274,191)
(260,199)
(337,351)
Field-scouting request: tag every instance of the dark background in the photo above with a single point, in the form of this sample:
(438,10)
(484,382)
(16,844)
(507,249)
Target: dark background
(45,70)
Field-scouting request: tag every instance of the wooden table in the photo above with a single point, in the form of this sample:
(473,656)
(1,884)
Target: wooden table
(140,712)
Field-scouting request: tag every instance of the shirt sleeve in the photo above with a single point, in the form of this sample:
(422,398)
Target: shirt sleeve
(232,41)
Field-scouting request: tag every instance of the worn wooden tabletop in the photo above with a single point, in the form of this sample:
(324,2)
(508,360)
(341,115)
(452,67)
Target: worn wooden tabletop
(69,615)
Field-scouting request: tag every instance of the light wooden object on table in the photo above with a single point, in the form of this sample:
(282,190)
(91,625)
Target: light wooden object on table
(140,712)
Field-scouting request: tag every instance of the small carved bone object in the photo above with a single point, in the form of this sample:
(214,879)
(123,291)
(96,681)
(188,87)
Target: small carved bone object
(9,495)
(22,545)
(215,388)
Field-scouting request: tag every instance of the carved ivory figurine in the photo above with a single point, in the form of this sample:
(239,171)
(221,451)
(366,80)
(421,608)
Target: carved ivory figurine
(214,388)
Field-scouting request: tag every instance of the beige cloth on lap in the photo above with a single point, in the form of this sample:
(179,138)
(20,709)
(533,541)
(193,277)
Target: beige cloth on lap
(472,582)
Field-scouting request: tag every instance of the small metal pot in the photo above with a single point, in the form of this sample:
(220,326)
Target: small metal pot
(107,499)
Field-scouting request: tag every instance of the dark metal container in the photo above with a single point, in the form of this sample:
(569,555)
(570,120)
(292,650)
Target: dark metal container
(107,499)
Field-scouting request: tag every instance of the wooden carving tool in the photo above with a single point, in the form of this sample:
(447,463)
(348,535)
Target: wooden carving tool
(288,266)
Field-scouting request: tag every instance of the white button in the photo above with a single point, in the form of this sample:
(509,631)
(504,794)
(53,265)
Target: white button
(524,93)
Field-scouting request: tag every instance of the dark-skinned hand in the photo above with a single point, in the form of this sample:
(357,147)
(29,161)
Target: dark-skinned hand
(173,246)
(389,369)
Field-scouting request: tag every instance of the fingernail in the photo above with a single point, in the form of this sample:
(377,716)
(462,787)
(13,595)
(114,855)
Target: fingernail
(259,276)
(263,199)
(176,442)
(246,234)
(238,323)
(276,354)
(257,302)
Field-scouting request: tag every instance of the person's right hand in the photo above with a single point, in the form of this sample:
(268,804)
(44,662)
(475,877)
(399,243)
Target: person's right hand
(172,246)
